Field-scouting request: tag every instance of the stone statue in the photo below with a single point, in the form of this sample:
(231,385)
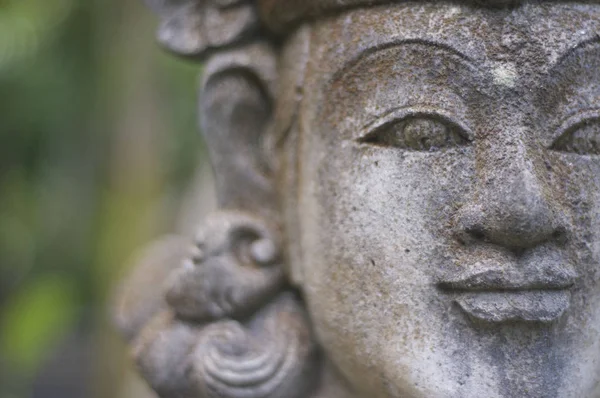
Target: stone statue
(409,203)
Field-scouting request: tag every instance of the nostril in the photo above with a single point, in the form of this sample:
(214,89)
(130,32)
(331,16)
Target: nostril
(476,233)
(469,236)
(560,235)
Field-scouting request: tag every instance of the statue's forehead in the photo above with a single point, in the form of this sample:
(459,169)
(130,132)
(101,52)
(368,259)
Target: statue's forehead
(530,34)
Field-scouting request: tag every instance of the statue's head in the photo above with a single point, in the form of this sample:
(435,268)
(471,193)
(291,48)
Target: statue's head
(409,202)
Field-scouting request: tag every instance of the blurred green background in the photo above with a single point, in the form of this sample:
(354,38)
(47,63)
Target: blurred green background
(98,155)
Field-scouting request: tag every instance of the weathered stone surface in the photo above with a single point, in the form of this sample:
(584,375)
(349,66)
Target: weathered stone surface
(413,188)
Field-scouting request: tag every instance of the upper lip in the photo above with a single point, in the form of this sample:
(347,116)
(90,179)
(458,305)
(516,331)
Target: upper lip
(554,278)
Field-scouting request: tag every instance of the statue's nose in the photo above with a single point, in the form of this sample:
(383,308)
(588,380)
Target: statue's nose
(512,206)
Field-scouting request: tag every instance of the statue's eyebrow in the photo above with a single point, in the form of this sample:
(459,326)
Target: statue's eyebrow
(348,66)
(583,45)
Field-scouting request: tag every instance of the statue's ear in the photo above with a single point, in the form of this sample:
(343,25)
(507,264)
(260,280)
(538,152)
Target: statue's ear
(236,97)
(236,106)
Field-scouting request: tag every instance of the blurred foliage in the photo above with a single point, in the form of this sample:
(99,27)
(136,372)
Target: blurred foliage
(26,24)
(35,317)
(97,145)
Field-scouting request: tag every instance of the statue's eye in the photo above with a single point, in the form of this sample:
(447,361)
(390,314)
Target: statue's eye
(417,133)
(582,138)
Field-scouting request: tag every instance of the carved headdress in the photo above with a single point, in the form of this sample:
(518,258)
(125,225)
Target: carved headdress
(195,27)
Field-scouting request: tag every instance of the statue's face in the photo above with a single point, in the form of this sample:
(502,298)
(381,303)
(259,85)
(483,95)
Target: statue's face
(449,192)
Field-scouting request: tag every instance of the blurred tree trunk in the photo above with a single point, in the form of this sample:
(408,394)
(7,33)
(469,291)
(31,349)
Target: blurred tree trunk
(128,106)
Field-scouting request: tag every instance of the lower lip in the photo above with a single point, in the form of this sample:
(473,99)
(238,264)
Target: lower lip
(527,306)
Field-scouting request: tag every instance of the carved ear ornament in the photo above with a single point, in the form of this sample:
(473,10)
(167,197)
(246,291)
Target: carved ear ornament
(271,356)
(227,328)
(236,268)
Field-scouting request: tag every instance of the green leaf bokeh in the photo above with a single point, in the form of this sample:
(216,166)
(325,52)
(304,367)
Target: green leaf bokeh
(98,147)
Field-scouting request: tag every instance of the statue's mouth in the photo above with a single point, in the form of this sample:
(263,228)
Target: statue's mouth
(509,295)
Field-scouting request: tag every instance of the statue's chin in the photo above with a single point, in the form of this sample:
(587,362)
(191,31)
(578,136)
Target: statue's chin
(473,358)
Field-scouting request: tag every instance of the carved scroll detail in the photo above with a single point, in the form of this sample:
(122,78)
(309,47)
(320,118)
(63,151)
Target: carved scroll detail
(271,359)
(237,268)
(227,329)
(195,28)
(270,356)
